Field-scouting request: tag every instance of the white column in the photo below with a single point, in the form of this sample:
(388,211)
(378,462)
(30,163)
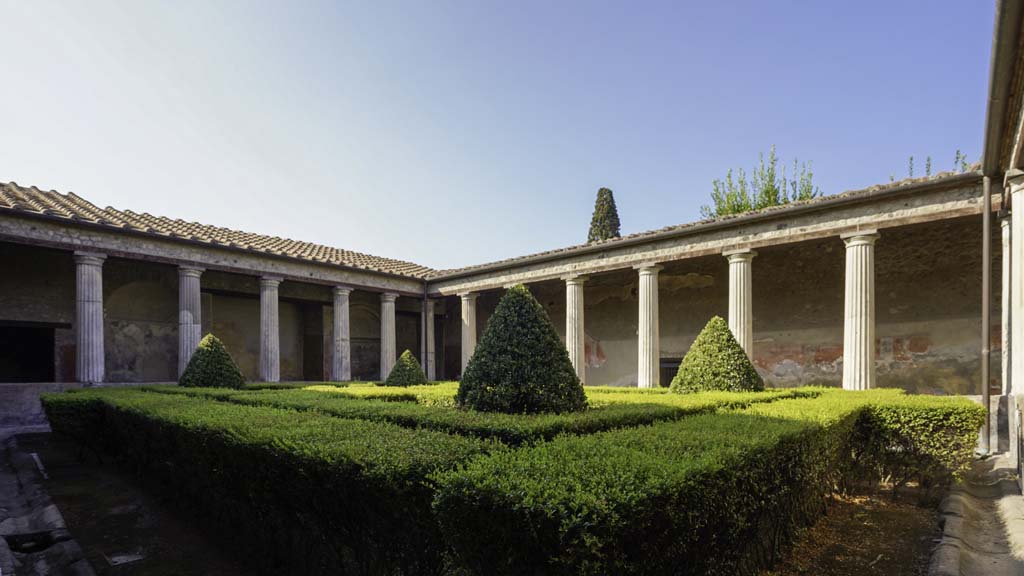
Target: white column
(649,344)
(89,360)
(429,354)
(1007,322)
(859,316)
(190,314)
(741,311)
(468,327)
(1014,187)
(341,365)
(387,334)
(270,331)
(575,340)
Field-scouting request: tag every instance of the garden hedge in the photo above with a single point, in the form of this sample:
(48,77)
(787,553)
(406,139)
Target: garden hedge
(711,494)
(507,428)
(297,491)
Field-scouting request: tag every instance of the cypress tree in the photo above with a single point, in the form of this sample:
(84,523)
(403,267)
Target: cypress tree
(211,365)
(604,224)
(520,365)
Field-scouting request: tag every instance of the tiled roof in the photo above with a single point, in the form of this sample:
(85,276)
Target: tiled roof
(35,202)
(611,243)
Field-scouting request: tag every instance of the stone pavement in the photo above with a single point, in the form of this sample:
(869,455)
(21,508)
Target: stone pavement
(33,537)
(983,524)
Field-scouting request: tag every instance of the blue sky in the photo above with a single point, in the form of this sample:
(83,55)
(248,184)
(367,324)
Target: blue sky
(455,133)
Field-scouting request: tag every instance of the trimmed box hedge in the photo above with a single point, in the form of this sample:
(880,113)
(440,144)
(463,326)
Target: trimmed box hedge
(302,492)
(711,494)
(510,429)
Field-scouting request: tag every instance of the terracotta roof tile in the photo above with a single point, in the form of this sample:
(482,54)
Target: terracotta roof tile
(33,201)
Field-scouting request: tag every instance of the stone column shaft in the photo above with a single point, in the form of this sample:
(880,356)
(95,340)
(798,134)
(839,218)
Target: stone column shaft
(649,344)
(341,364)
(1016,296)
(1007,321)
(429,353)
(89,358)
(468,327)
(741,312)
(575,338)
(190,314)
(270,331)
(859,313)
(387,334)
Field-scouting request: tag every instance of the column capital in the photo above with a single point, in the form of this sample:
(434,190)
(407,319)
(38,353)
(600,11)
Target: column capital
(1005,220)
(1014,180)
(342,290)
(90,258)
(269,281)
(575,280)
(649,268)
(742,255)
(469,296)
(388,296)
(860,238)
(194,271)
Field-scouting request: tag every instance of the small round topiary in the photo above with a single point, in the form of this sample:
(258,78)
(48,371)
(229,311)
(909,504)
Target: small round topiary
(212,366)
(406,372)
(520,365)
(716,361)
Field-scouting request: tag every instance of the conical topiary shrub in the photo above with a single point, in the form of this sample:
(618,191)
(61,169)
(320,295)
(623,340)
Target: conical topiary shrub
(406,372)
(212,366)
(520,365)
(716,362)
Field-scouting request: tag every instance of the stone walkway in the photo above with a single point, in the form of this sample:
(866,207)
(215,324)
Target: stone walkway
(983,524)
(33,537)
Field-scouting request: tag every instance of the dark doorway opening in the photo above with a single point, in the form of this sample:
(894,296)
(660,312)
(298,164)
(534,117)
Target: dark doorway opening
(27,353)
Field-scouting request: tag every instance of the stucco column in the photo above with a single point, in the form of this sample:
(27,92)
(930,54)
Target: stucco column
(1015,185)
(575,340)
(468,327)
(89,360)
(270,331)
(741,312)
(1007,322)
(341,364)
(387,333)
(648,341)
(190,314)
(429,354)
(859,317)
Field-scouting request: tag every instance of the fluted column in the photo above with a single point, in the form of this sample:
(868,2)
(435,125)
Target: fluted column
(1015,187)
(387,333)
(190,314)
(741,312)
(429,353)
(270,331)
(468,327)
(575,340)
(649,344)
(89,360)
(859,316)
(341,365)
(1007,321)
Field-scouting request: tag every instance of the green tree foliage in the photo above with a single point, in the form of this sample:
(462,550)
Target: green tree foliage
(604,224)
(212,366)
(406,372)
(716,362)
(768,186)
(520,365)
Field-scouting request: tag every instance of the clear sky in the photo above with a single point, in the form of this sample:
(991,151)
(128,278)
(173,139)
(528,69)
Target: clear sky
(455,133)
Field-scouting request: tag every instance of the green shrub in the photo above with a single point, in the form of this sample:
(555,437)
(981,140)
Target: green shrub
(211,365)
(407,372)
(510,429)
(716,362)
(300,492)
(520,365)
